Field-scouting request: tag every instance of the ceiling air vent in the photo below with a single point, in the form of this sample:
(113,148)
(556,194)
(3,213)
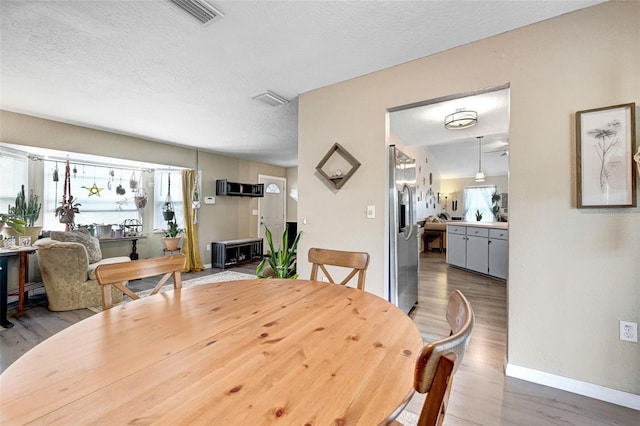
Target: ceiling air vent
(270,98)
(200,10)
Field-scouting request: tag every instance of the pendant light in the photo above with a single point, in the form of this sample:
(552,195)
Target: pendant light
(480,175)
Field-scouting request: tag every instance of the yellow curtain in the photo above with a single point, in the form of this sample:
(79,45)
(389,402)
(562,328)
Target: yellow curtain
(190,245)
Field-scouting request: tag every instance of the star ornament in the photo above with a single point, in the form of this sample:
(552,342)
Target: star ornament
(93,190)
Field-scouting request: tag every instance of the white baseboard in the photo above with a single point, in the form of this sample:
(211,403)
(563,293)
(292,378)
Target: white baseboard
(591,390)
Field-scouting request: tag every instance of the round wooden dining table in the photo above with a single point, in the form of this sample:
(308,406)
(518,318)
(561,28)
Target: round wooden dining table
(253,352)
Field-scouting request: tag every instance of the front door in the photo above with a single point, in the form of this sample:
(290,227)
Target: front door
(272,208)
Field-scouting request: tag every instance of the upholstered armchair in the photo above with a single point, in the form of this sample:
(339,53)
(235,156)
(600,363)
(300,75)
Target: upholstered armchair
(67,264)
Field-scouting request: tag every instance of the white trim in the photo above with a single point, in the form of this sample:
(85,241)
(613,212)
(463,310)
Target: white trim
(591,390)
(282,180)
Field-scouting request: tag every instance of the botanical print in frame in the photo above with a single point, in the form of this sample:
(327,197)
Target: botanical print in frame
(605,145)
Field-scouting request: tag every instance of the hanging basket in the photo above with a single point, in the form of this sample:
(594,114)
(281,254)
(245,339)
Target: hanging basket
(141,201)
(168,215)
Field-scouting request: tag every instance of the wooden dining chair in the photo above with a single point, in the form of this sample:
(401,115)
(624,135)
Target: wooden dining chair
(439,361)
(117,274)
(358,261)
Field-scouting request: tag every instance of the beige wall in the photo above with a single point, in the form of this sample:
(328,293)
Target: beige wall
(228,218)
(292,187)
(573,273)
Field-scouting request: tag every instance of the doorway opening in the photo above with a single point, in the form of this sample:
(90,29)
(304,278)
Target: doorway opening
(272,209)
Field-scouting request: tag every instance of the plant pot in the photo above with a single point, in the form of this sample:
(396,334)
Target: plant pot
(8,232)
(168,215)
(172,243)
(103,231)
(33,232)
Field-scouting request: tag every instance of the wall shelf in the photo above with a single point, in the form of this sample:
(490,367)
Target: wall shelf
(332,164)
(224,187)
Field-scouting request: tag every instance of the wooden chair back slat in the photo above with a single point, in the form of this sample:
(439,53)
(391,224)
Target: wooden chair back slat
(358,261)
(117,274)
(439,361)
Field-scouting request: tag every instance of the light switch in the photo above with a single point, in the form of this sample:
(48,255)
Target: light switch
(254,212)
(209,200)
(371,212)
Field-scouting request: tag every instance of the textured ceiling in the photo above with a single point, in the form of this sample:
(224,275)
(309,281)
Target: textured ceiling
(455,152)
(143,68)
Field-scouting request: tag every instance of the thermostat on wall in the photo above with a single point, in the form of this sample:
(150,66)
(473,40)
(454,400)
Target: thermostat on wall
(209,200)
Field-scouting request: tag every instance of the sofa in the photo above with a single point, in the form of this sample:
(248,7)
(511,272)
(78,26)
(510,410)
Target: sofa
(67,265)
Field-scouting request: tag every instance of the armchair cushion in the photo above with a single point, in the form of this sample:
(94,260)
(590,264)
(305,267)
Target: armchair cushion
(82,236)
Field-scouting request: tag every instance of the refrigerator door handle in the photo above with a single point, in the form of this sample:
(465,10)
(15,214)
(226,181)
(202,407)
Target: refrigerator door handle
(407,236)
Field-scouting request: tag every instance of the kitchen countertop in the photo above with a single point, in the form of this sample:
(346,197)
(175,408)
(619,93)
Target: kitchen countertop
(496,225)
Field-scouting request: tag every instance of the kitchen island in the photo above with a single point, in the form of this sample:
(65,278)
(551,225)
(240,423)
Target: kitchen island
(481,247)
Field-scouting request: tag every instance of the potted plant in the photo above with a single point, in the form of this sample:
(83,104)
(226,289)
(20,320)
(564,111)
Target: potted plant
(168,212)
(172,237)
(282,262)
(29,211)
(495,208)
(67,210)
(13,222)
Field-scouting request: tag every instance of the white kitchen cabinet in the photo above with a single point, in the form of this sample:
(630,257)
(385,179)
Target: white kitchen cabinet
(479,249)
(498,253)
(457,249)
(478,254)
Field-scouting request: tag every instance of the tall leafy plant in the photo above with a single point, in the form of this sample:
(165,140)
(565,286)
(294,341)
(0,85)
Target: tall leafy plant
(27,209)
(283,261)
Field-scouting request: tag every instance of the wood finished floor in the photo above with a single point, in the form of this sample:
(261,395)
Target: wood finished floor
(481,394)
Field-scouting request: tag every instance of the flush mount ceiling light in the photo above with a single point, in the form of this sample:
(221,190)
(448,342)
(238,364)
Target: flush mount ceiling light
(270,98)
(480,175)
(461,119)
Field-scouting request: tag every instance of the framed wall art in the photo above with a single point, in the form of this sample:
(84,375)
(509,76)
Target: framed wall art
(605,145)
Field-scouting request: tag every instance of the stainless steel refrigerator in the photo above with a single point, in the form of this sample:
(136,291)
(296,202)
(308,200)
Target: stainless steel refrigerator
(403,231)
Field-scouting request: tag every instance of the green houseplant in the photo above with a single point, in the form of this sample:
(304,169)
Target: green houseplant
(13,222)
(173,230)
(26,209)
(172,238)
(495,208)
(282,263)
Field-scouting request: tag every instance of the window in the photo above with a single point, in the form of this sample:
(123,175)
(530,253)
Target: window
(100,204)
(14,168)
(478,198)
(272,188)
(161,189)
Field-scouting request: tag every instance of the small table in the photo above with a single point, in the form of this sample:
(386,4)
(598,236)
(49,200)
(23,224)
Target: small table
(432,234)
(23,275)
(240,352)
(134,240)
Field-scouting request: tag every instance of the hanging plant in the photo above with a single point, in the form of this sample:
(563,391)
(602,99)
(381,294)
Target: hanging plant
(68,208)
(140,197)
(168,211)
(195,198)
(133,183)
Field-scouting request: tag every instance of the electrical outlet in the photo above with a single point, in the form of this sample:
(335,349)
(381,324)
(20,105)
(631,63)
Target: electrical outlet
(208,247)
(629,331)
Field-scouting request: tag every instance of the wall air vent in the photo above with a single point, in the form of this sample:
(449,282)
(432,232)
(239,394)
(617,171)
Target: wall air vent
(270,98)
(200,10)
